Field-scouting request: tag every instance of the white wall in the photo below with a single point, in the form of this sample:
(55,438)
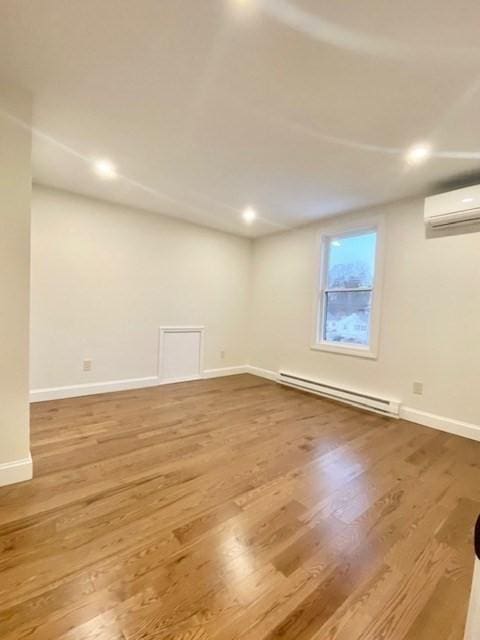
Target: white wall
(106,277)
(15,186)
(430,328)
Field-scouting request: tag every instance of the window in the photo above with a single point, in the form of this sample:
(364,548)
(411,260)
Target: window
(347,304)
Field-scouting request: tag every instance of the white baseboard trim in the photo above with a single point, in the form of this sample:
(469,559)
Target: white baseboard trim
(224,371)
(75,391)
(177,380)
(15,471)
(456,427)
(262,373)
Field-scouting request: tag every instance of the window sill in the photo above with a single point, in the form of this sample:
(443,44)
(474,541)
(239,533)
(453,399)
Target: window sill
(347,350)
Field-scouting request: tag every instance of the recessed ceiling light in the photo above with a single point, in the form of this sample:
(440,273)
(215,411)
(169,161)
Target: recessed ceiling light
(105,169)
(243,3)
(418,154)
(467,200)
(249,215)
(244,8)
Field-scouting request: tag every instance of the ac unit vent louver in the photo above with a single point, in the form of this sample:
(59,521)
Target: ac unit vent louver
(453,209)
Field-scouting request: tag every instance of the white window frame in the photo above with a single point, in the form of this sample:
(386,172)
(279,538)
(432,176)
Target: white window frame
(354,229)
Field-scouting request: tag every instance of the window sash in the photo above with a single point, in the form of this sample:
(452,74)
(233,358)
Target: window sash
(322,315)
(324,290)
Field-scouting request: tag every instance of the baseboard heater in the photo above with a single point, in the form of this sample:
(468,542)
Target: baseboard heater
(362,400)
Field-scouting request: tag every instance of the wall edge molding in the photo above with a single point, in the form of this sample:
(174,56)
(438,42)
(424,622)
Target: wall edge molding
(441,423)
(262,373)
(224,371)
(95,388)
(78,390)
(16,471)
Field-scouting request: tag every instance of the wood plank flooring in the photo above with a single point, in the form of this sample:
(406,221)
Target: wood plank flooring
(236,509)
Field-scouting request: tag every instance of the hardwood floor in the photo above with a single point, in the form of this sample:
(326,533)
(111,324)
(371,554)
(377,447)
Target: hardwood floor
(236,509)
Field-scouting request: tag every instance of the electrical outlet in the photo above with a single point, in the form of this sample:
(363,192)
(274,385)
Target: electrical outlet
(222,354)
(418,388)
(87,364)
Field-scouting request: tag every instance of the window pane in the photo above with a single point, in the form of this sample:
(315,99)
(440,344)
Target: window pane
(351,261)
(347,317)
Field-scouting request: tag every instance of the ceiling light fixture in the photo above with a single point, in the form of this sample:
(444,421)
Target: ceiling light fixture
(418,154)
(249,215)
(467,200)
(244,4)
(105,169)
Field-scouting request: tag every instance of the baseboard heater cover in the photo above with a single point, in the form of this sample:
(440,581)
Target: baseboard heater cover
(362,400)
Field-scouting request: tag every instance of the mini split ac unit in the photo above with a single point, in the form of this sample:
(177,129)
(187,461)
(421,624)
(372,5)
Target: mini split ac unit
(453,209)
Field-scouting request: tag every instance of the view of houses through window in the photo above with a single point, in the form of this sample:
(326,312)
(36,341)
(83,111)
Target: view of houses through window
(348,288)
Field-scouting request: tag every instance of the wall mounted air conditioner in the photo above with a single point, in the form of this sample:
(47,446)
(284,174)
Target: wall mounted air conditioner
(453,209)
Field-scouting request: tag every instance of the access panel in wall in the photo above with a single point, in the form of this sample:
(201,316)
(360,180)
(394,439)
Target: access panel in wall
(180,353)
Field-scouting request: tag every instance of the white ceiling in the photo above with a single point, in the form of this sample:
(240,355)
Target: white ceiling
(300,108)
